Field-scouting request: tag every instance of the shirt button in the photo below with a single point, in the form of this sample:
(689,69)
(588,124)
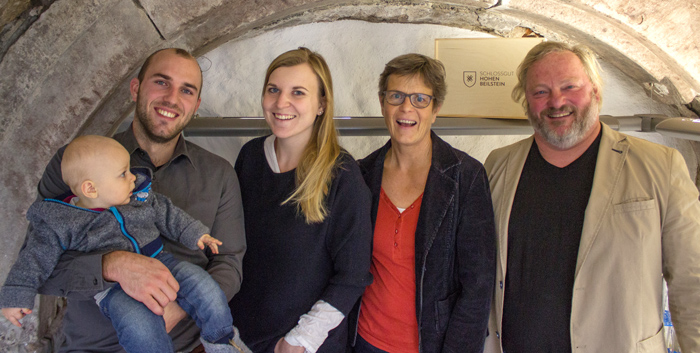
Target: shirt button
(396,231)
(500,284)
(396,244)
(498,335)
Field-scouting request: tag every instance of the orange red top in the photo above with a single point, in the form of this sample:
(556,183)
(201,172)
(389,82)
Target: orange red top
(388,314)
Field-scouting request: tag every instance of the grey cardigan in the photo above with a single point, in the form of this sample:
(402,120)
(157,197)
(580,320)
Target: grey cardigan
(57,226)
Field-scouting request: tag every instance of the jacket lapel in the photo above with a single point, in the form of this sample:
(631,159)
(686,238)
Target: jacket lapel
(612,154)
(372,168)
(514,168)
(440,189)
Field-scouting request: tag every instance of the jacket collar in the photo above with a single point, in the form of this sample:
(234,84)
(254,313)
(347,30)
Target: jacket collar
(444,156)
(143,178)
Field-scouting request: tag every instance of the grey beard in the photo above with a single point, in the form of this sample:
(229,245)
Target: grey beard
(577,132)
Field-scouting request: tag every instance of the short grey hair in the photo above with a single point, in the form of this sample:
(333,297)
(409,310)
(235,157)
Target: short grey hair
(432,71)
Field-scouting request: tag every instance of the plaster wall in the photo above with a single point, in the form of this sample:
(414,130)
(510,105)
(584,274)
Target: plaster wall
(233,82)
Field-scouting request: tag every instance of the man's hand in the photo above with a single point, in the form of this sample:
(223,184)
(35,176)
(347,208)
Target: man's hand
(173,315)
(284,347)
(142,278)
(15,314)
(209,241)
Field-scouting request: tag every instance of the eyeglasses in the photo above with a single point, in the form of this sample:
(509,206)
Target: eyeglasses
(418,100)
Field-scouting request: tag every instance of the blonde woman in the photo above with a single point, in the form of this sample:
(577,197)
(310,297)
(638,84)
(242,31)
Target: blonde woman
(306,216)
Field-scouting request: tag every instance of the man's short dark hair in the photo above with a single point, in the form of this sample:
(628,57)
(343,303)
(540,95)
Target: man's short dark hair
(178,51)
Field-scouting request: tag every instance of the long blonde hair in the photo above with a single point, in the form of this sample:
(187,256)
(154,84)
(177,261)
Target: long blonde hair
(315,170)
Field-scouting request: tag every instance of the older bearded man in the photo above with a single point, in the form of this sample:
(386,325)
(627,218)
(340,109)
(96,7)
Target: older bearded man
(587,221)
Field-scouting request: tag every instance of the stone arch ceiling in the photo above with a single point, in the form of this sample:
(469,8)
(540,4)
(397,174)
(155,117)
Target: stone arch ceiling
(66,63)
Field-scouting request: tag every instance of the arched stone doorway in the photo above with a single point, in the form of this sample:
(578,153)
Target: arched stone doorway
(66,64)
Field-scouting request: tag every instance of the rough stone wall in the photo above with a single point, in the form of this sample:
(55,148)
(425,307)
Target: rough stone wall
(655,41)
(15,17)
(66,63)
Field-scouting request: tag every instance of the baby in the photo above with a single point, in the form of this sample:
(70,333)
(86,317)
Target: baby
(113,209)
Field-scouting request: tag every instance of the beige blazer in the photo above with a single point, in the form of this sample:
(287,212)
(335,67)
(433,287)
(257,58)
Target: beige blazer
(642,221)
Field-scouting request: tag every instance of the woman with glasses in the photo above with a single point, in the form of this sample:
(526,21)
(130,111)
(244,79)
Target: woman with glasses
(433,257)
(307,219)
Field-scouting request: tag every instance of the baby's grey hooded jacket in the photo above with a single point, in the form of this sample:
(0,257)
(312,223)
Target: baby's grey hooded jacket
(58,226)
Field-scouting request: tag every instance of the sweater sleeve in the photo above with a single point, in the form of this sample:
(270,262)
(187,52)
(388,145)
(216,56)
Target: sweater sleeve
(176,224)
(349,238)
(34,264)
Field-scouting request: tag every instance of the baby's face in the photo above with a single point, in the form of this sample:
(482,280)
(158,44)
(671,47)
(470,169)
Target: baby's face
(113,180)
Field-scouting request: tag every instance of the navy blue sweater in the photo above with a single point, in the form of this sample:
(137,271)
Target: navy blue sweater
(290,264)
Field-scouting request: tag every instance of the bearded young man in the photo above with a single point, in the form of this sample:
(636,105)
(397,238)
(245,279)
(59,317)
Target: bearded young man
(167,95)
(587,220)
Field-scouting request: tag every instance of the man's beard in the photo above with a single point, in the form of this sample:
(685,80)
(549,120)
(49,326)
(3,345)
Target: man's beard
(150,127)
(584,120)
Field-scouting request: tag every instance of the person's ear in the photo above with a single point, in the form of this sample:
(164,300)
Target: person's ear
(322,107)
(436,110)
(134,88)
(596,93)
(88,189)
(199,101)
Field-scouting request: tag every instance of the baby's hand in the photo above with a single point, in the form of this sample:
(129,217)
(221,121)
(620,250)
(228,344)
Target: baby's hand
(15,314)
(209,241)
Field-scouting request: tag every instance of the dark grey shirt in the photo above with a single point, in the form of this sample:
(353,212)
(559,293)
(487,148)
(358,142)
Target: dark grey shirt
(199,182)
(544,233)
